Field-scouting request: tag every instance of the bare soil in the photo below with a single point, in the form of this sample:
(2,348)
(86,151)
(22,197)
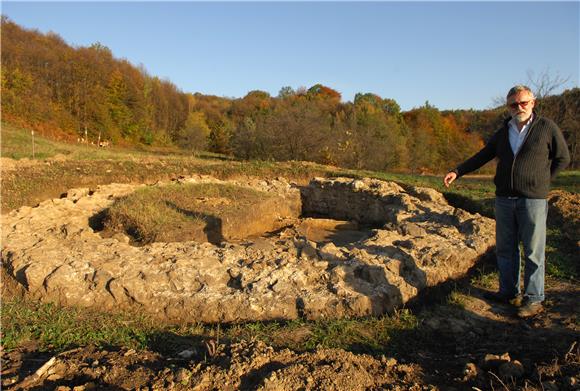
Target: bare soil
(472,345)
(478,346)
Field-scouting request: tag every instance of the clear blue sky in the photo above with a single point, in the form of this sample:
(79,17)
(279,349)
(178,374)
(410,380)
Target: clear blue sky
(454,54)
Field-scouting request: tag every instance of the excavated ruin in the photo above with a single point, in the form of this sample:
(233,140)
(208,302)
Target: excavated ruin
(353,247)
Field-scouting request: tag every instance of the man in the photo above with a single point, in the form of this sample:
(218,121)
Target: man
(530,151)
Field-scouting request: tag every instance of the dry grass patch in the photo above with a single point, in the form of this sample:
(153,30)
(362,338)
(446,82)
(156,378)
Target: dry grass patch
(200,212)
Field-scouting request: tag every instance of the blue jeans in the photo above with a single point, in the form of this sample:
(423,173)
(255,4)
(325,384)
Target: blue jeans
(521,220)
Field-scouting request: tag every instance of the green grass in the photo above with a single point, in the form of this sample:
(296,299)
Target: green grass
(369,335)
(57,329)
(373,335)
(456,298)
(17,143)
(568,180)
(560,259)
(485,279)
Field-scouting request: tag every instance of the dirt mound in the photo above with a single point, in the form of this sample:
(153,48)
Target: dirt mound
(564,207)
(248,365)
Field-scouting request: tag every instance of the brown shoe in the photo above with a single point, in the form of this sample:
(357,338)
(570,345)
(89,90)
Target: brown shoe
(530,309)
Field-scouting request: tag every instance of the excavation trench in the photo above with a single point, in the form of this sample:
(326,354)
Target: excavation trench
(197,212)
(335,248)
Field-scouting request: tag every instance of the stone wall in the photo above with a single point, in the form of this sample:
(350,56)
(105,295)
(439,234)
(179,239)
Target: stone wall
(367,201)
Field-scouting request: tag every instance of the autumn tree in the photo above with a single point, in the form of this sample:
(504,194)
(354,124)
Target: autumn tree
(195,134)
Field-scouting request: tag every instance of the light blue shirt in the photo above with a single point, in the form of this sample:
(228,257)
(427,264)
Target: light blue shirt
(517,136)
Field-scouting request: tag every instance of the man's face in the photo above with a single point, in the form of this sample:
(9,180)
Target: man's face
(520,105)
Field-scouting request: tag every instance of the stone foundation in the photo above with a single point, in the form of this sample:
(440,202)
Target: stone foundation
(53,255)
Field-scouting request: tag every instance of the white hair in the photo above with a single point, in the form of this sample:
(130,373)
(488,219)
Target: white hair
(519,88)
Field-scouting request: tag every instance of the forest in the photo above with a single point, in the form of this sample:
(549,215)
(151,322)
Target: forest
(86,94)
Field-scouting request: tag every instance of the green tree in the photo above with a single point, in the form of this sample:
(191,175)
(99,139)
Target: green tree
(195,134)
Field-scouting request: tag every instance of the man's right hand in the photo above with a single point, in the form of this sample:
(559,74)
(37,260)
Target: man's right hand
(449,178)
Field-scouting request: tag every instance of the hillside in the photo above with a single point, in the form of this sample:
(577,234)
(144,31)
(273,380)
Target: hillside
(85,94)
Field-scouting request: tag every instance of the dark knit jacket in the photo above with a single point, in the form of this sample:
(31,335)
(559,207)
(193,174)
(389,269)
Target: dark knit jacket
(542,155)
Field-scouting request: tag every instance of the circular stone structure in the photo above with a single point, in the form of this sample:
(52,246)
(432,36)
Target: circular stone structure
(51,253)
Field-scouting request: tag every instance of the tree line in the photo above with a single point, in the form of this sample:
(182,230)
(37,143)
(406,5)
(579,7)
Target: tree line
(85,92)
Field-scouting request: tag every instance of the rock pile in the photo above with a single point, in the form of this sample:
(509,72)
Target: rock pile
(52,252)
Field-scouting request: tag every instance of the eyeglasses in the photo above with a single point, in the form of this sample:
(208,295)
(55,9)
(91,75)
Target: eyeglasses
(523,103)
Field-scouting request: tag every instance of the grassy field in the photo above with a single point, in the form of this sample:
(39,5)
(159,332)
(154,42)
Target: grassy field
(80,165)
(54,328)
(17,143)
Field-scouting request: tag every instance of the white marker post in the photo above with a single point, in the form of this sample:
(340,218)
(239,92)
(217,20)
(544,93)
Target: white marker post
(32,132)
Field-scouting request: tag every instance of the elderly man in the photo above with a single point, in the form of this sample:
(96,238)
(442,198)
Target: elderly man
(530,151)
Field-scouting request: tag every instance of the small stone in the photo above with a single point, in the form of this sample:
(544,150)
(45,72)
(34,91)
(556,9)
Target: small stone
(358,184)
(389,362)
(330,252)
(121,237)
(186,353)
(470,371)
(308,252)
(54,376)
(490,357)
